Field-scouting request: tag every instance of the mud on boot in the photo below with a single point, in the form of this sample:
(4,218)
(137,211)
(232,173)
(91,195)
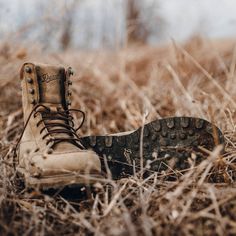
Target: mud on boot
(49,152)
(163,144)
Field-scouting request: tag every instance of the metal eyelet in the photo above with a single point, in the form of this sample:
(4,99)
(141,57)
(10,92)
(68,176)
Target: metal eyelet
(33,101)
(70,71)
(28,69)
(50,151)
(29,80)
(31,91)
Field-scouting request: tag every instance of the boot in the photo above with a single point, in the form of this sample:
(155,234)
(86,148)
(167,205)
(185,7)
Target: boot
(50,153)
(165,144)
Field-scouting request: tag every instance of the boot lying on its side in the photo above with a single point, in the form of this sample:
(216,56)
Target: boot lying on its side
(50,153)
(164,144)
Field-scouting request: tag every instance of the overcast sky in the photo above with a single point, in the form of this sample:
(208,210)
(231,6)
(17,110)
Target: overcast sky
(180,18)
(209,17)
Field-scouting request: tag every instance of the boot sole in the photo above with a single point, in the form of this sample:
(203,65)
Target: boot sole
(58,181)
(166,143)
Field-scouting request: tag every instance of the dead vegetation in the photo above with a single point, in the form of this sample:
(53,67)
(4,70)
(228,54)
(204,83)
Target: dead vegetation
(118,91)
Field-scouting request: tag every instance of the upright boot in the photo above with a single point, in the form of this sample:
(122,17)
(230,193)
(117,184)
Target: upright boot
(50,153)
(164,144)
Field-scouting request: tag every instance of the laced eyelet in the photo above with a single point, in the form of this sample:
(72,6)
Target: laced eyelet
(32,101)
(49,140)
(50,151)
(64,116)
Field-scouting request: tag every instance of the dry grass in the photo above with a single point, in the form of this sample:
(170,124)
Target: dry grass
(118,91)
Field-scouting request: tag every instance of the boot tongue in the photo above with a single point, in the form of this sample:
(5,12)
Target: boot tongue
(52,94)
(51,84)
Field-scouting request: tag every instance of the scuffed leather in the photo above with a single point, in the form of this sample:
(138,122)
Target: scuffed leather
(50,87)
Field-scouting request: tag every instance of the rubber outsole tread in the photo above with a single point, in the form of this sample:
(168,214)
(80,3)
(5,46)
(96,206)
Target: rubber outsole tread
(166,142)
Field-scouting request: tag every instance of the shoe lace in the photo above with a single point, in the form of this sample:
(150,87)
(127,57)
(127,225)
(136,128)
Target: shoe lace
(66,127)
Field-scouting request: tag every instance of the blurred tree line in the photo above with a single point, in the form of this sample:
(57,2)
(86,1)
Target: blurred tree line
(81,23)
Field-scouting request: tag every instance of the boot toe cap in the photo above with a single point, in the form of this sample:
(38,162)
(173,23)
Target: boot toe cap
(82,162)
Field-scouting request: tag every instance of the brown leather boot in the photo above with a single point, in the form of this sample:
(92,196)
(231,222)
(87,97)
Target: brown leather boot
(50,153)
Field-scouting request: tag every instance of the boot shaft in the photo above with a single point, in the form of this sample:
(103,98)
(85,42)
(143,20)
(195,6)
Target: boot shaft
(50,153)
(44,84)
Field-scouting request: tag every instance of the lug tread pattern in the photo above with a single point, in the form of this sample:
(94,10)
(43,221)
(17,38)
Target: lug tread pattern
(166,142)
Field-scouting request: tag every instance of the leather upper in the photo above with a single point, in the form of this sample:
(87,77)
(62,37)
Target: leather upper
(49,145)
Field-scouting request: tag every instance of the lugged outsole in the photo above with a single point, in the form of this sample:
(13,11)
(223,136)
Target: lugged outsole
(166,143)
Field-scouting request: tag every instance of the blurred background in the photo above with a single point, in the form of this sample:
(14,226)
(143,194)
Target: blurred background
(113,24)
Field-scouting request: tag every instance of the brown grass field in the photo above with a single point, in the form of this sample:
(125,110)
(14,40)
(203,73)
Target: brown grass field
(118,92)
